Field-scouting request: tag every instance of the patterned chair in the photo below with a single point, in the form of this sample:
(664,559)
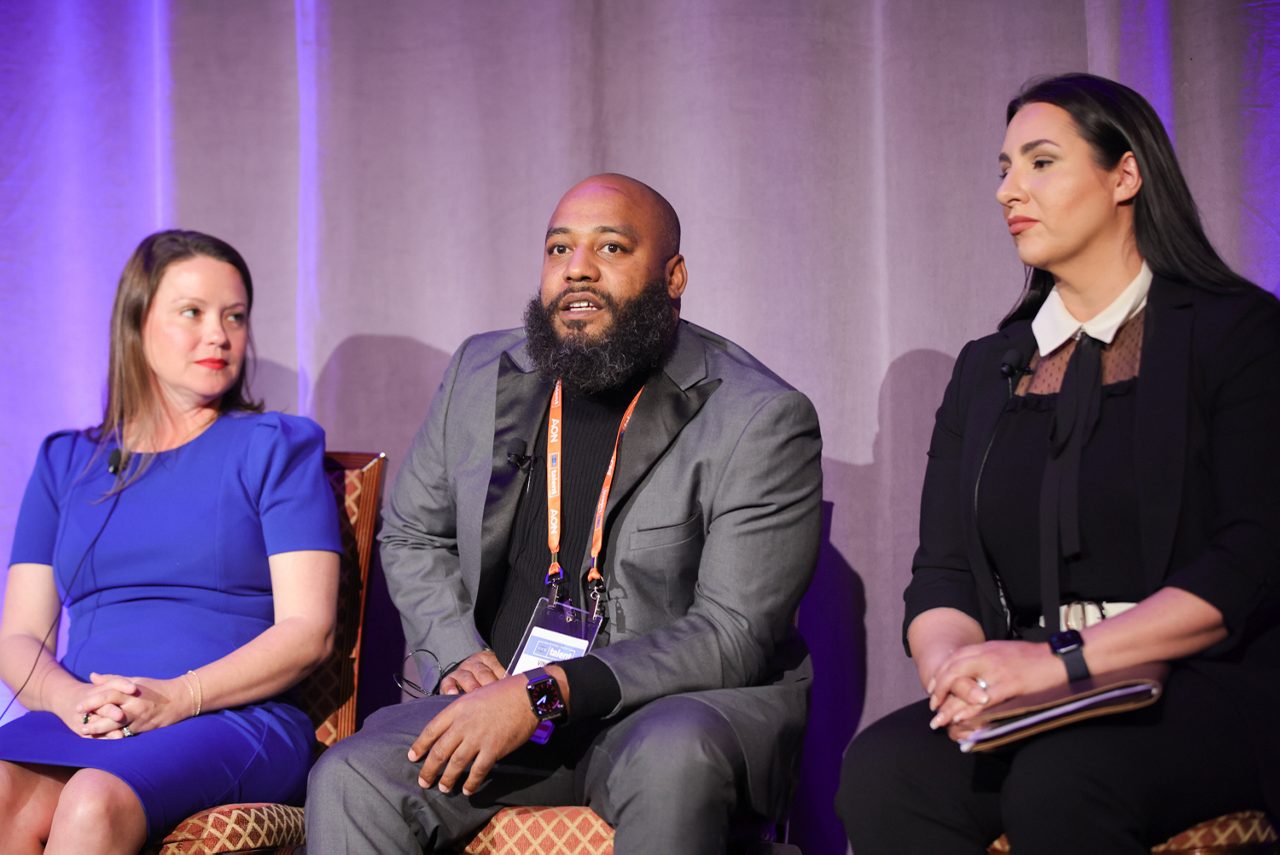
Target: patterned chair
(570,830)
(328,695)
(1246,833)
(543,831)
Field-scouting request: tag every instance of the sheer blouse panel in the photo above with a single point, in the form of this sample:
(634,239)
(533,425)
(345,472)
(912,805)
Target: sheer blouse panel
(1121,360)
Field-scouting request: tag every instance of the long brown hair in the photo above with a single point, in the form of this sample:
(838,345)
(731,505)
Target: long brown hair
(131,389)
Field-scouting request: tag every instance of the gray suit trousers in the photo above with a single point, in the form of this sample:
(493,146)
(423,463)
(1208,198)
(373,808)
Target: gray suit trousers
(666,776)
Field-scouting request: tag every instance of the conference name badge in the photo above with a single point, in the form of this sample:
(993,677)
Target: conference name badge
(556,632)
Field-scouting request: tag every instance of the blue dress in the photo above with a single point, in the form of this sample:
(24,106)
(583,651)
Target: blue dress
(168,575)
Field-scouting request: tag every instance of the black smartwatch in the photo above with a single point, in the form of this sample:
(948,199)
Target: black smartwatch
(544,695)
(1069,646)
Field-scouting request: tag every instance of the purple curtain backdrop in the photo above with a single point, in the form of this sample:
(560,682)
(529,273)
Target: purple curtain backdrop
(387,169)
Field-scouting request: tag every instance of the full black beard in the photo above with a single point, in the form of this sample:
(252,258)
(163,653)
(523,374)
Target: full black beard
(637,342)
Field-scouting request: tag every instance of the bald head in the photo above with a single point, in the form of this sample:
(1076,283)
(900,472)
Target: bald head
(612,276)
(654,217)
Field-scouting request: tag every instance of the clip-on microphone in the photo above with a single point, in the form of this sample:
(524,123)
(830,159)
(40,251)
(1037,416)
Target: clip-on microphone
(1013,365)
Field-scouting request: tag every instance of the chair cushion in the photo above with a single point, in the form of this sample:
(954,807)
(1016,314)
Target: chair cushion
(231,828)
(1232,829)
(544,831)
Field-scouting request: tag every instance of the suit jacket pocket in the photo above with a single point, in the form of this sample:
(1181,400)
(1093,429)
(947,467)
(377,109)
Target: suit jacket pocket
(668,535)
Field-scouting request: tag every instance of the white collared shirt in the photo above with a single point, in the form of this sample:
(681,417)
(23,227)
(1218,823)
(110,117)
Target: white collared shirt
(1053,324)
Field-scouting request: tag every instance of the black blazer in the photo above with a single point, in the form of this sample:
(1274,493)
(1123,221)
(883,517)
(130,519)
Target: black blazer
(1207,457)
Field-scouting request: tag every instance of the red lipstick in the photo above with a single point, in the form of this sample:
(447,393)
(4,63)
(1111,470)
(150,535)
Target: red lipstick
(212,364)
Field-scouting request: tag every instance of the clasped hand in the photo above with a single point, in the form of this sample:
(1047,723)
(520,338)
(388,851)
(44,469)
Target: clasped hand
(112,702)
(491,719)
(1006,668)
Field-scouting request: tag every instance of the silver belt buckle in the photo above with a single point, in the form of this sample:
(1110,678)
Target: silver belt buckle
(1079,614)
(1082,613)
(1075,615)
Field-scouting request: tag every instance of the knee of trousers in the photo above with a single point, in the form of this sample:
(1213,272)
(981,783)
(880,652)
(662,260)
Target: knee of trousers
(330,775)
(375,756)
(343,770)
(863,771)
(879,765)
(677,745)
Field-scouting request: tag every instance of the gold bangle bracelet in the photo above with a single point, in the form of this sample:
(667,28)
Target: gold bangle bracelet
(198,701)
(191,693)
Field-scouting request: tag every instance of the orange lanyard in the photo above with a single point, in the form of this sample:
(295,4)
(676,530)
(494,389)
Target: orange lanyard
(555,440)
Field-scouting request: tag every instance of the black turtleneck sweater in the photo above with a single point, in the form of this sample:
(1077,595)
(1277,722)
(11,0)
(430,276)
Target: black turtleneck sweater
(589,429)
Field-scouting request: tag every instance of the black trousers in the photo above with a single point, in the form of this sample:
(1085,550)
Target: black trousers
(1119,784)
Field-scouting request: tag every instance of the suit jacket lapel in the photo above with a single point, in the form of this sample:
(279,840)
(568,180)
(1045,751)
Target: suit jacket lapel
(519,405)
(670,400)
(1160,434)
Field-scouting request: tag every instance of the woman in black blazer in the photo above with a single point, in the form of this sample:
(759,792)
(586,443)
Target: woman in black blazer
(1108,458)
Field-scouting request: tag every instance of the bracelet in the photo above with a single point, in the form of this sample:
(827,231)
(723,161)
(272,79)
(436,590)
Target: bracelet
(191,693)
(197,696)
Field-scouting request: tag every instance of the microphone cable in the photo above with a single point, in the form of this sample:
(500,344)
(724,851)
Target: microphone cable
(113,466)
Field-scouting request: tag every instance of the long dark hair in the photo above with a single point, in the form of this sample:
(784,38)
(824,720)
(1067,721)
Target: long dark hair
(1114,120)
(131,390)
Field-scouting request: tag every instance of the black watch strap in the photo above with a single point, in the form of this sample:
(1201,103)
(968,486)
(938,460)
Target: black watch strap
(1069,646)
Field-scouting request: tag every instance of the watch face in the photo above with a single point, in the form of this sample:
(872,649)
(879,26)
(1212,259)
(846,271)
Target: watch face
(544,698)
(1065,641)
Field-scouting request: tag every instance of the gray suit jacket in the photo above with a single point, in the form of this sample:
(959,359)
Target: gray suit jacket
(711,532)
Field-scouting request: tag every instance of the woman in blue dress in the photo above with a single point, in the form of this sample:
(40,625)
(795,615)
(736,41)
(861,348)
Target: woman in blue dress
(193,541)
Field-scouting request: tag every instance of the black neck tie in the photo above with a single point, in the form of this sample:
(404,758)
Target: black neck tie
(1079,402)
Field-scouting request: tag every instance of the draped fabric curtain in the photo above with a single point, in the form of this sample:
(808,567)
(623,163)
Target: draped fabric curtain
(388,169)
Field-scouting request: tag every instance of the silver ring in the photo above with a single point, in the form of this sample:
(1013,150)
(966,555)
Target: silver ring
(126,731)
(982,684)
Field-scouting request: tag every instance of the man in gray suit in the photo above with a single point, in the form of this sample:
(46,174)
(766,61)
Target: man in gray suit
(678,482)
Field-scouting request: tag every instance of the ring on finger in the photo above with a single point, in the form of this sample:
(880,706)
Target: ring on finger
(982,684)
(84,719)
(126,731)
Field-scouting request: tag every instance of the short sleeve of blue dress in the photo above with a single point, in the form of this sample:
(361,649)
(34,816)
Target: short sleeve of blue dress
(169,574)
